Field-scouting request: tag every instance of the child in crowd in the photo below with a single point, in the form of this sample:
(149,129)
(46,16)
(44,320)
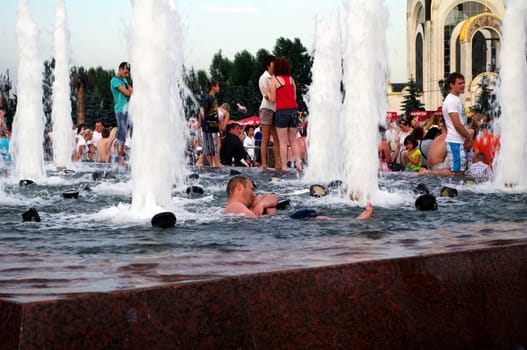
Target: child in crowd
(411,157)
(479,168)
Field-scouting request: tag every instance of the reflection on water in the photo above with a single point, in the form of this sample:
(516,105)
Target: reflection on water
(95,244)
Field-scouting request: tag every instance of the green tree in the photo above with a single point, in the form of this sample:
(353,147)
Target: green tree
(411,100)
(220,68)
(196,82)
(7,100)
(99,98)
(47,89)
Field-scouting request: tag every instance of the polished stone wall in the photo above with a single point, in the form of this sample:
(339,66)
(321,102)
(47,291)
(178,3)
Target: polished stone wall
(462,300)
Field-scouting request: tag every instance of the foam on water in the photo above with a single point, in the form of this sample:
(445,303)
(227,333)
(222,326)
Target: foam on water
(512,158)
(156,108)
(28,124)
(61,113)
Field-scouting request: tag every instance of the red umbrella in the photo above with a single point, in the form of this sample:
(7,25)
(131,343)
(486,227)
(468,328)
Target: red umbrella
(252,121)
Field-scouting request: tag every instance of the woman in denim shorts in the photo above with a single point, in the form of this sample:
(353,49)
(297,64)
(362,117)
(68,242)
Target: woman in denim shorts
(283,91)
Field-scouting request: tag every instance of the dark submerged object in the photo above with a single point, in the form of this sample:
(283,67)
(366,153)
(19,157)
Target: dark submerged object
(335,184)
(31,215)
(164,220)
(304,214)
(71,194)
(426,202)
(26,182)
(235,172)
(193,176)
(421,189)
(283,204)
(96,175)
(317,191)
(194,190)
(448,192)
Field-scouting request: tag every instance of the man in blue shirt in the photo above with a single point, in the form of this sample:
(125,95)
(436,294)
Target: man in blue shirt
(121,91)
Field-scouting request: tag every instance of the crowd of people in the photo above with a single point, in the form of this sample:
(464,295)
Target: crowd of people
(450,144)
(224,142)
(444,145)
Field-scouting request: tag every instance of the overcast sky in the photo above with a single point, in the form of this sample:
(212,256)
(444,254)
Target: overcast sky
(98,29)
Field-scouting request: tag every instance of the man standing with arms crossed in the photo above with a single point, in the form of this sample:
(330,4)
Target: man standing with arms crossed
(121,91)
(458,137)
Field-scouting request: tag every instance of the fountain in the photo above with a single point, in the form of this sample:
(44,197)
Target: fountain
(364,108)
(61,111)
(156,107)
(324,102)
(345,134)
(511,162)
(28,124)
(94,274)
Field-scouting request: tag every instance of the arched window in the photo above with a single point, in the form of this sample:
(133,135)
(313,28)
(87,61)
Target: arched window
(419,61)
(457,14)
(479,54)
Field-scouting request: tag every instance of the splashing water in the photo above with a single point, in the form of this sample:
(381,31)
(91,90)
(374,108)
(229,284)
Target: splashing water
(61,113)
(364,107)
(156,106)
(28,124)
(324,102)
(512,157)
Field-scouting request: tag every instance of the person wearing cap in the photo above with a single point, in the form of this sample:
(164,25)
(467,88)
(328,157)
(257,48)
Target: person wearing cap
(241,199)
(121,91)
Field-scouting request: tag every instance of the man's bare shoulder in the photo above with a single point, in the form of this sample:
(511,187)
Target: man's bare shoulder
(238,208)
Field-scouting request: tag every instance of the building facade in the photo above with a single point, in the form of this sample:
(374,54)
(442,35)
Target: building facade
(445,36)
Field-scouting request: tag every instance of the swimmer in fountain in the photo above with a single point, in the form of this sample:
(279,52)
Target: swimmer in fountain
(241,199)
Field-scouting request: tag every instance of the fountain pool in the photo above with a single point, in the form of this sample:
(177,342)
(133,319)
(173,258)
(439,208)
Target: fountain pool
(94,244)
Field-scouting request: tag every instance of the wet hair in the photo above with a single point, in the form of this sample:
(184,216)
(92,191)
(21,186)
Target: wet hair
(404,122)
(282,67)
(249,127)
(418,133)
(267,60)
(105,132)
(124,65)
(411,139)
(480,157)
(452,77)
(432,133)
(212,83)
(234,181)
(2,108)
(80,127)
(231,126)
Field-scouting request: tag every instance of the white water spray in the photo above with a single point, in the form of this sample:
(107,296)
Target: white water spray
(155,106)
(511,161)
(364,108)
(324,98)
(28,124)
(61,112)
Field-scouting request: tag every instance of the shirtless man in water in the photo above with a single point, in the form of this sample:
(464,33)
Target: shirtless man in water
(437,161)
(241,199)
